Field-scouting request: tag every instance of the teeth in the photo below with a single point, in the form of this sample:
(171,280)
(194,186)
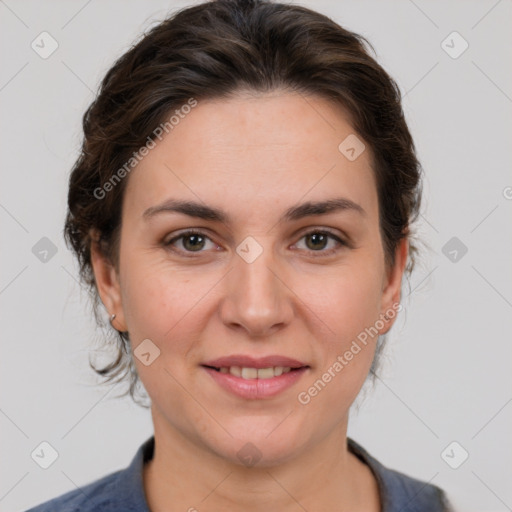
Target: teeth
(249,373)
(236,371)
(256,373)
(264,373)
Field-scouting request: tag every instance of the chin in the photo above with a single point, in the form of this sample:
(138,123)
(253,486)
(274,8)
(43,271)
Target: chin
(259,443)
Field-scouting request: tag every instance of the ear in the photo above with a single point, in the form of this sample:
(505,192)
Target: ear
(107,283)
(392,284)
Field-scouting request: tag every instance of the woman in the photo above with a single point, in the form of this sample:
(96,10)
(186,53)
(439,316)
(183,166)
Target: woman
(242,207)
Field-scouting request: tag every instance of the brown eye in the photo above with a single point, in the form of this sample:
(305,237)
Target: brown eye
(317,241)
(190,241)
(193,242)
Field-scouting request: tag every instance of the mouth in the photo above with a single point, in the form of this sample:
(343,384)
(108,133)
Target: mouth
(251,379)
(249,373)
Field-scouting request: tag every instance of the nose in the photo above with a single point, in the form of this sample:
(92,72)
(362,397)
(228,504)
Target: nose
(257,298)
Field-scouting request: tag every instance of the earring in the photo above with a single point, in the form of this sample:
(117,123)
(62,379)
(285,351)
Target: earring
(111,319)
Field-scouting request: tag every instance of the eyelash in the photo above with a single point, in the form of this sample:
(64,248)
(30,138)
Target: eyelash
(323,253)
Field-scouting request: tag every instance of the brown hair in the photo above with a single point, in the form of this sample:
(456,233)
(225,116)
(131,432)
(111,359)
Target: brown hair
(213,50)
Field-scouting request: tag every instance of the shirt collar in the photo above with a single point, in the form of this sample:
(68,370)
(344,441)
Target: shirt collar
(131,484)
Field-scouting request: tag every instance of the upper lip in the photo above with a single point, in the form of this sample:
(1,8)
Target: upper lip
(253,362)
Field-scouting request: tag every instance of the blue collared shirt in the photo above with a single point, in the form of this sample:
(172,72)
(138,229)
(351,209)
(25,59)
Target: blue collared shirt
(123,490)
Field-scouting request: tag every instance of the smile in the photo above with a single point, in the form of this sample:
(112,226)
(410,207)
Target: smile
(255,383)
(254,373)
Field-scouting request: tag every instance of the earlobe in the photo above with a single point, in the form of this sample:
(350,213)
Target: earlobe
(107,284)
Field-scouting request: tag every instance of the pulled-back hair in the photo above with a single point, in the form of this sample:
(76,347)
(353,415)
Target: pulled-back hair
(215,50)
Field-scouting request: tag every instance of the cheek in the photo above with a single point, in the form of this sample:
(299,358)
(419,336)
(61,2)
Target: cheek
(347,352)
(348,303)
(347,300)
(163,304)
(153,298)
(159,305)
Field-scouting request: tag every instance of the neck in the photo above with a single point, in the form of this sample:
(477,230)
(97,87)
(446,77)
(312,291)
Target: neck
(184,475)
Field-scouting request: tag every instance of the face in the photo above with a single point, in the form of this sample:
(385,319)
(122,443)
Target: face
(262,278)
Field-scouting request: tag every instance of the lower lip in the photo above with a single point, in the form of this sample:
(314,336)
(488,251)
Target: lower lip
(256,388)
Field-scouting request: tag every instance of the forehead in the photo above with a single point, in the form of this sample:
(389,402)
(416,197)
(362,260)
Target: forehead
(265,151)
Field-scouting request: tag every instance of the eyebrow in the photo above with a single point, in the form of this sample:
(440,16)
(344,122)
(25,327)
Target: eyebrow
(297,212)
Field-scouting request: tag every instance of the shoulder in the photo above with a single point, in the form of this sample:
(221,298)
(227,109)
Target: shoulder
(400,492)
(409,494)
(98,496)
(121,490)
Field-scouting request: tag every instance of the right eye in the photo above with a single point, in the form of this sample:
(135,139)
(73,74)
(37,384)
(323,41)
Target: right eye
(192,241)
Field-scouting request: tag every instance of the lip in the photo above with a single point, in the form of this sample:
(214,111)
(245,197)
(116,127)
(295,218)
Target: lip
(256,389)
(252,362)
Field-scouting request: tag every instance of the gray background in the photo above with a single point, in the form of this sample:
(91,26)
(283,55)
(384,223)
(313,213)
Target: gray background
(446,374)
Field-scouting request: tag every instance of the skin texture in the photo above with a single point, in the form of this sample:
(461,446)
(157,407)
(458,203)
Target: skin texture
(253,156)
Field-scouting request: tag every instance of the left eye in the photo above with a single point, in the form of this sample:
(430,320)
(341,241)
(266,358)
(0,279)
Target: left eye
(316,241)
